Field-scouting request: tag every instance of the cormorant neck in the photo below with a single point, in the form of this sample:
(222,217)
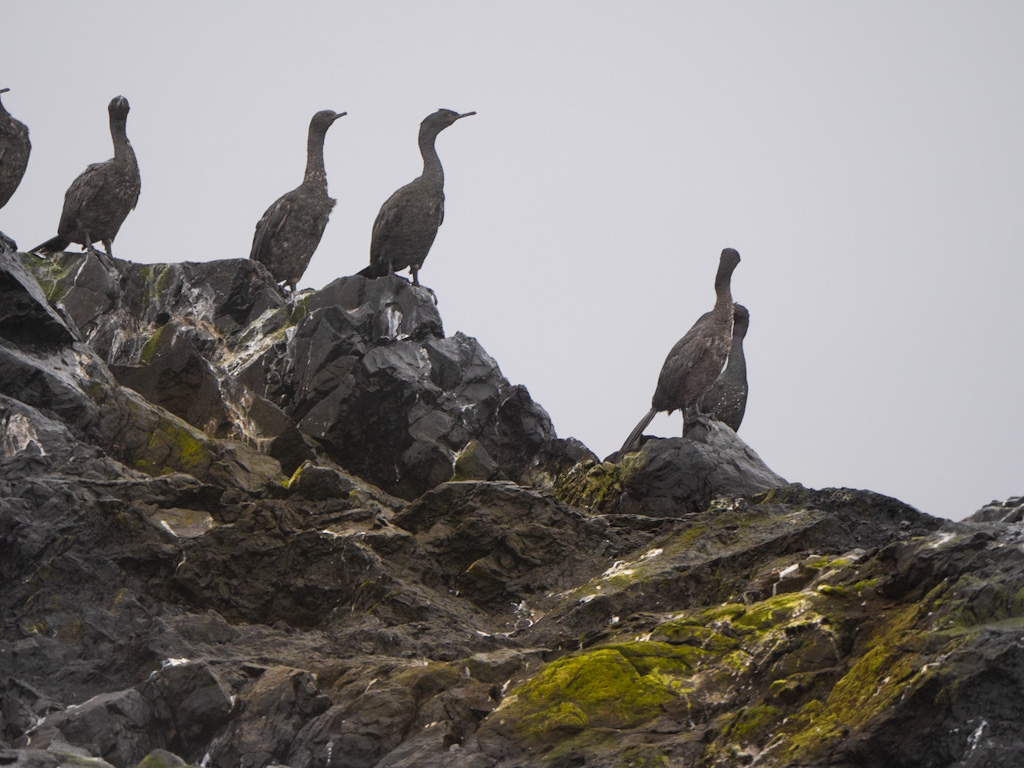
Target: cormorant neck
(315,172)
(723,292)
(432,169)
(119,133)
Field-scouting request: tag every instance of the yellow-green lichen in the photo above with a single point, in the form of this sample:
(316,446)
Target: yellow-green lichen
(149,350)
(593,485)
(772,612)
(753,725)
(595,689)
(171,447)
(689,632)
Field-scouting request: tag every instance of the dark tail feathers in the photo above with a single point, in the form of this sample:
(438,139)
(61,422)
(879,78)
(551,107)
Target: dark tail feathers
(53,245)
(370,271)
(637,431)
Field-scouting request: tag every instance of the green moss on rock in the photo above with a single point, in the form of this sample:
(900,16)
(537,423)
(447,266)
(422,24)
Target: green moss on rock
(595,689)
(152,344)
(595,486)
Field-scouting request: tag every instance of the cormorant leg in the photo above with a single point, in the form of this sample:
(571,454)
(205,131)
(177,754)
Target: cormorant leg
(109,245)
(415,274)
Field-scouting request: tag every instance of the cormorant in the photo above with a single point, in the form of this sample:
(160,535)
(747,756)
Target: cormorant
(100,199)
(697,359)
(407,222)
(291,228)
(14,151)
(726,401)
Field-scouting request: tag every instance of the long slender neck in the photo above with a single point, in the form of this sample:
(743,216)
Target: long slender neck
(723,293)
(736,359)
(432,170)
(315,173)
(119,133)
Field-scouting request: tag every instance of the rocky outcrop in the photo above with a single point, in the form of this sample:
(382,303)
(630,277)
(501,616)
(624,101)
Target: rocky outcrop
(239,528)
(217,345)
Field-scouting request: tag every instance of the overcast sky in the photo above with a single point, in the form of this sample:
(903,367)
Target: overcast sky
(866,159)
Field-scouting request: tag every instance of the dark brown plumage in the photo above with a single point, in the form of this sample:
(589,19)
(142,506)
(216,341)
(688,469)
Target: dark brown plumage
(14,151)
(726,401)
(291,228)
(697,359)
(100,199)
(407,223)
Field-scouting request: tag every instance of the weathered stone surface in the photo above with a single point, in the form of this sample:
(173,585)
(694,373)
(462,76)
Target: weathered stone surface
(670,477)
(171,597)
(1009,511)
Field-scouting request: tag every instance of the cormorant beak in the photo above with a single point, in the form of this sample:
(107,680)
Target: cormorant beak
(340,114)
(465,114)
(4,90)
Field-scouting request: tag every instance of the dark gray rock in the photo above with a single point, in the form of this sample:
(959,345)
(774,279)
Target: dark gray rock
(1009,511)
(25,315)
(670,477)
(171,596)
(56,757)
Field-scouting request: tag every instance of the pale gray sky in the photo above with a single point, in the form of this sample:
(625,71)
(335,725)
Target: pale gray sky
(866,159)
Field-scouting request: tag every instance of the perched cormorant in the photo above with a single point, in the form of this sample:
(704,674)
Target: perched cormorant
(99,200)
(291,228)
(14,151)
(727,399)
(697,359)
(407,222)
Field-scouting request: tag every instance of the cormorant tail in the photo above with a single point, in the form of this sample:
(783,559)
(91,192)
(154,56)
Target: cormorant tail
(637,431)
(53,245)
(371,271)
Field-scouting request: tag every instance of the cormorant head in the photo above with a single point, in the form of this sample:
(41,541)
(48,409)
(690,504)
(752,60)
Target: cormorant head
(440,120)
(726,264)
(323,120)
(118,108)
(741,320)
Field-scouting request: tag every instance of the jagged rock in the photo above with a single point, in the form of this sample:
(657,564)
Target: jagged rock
(53,758)
(670,477)
(115,726)
(168,593)
(1009,511)
(499,544)
(430,396)
(176,377)
(25,316)
(217,345)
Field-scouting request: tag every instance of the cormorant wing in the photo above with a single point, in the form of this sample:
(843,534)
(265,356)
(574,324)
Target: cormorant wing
(389,220)
(80,194)
(268,226)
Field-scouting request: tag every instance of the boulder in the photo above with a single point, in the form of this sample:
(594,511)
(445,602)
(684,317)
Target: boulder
(670,477)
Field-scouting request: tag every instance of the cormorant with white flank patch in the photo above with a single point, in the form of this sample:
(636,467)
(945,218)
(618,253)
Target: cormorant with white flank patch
(14,151)
(407,222)
(291,228)
(726,401)
(697,359)
(100,199)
